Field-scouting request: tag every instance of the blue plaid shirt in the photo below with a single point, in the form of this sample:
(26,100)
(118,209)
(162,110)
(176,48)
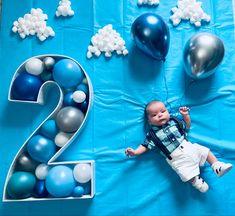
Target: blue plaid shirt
(168,134)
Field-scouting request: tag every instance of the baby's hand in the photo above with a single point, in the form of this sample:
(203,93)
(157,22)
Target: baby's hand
(130,152)
(184,110)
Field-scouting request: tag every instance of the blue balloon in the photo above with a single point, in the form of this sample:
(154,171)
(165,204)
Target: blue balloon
(83,87)
(26,87)
(67,73)
(60,181)
(21,185)
(83,106)
(40,148)
(78,191)
(49,129)
(40,189)
(151,35)
(68,100)
(87,187)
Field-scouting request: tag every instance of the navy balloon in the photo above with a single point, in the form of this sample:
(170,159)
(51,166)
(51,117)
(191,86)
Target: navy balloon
(68,100)
(40,189)
(26,87)
(151,35)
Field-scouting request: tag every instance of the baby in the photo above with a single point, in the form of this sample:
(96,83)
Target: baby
(168,135)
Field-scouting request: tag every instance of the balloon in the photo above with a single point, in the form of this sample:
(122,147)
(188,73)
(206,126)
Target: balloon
(34,66)
(69,119)
(25,163)
(48,62)
(60,181)
(49,128)
(67,73)
(40,148)
(79,96)
(21,185)
(62,138)
(26,87)
(83,87)
(87,187)
(82,172)
(78,191)
(151,35)
(40,189)
(46,75)
(41,171)
(68,100)
(202,54)
(83,106)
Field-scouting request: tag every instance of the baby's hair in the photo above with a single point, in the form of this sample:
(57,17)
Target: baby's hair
(146,124)
(150,103)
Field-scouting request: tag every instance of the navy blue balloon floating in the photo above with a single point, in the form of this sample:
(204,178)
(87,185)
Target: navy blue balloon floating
(151,35)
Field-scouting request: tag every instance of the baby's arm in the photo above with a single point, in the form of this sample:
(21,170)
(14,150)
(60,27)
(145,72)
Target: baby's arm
(184,111)
(133,152)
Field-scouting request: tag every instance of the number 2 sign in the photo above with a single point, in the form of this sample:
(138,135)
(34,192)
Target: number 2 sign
(34,173)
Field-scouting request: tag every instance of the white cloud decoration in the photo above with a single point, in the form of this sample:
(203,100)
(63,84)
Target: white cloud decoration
(106,40)
(33,23)
(64,9)
(189,10)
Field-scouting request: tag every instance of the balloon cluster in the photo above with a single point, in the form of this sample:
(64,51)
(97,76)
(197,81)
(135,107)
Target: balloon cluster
(33,179)
(31,176)
(202,53)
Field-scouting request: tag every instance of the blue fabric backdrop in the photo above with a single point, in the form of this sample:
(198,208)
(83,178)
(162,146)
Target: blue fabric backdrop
(145,185)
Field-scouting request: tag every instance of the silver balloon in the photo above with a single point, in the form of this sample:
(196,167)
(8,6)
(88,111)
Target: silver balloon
(202,54)
(48,62)
(69,119)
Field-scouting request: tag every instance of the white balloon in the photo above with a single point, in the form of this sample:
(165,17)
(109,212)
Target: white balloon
(34,66)
(82,172)
(41,171)
(62,138)
(79,96)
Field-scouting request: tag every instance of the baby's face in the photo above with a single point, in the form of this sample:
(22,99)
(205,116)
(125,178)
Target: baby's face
(157,114)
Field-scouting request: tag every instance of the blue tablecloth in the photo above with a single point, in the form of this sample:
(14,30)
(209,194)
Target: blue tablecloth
(144,185)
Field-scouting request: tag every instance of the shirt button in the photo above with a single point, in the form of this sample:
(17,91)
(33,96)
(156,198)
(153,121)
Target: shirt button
(181,147)
(167,131)
(173,139)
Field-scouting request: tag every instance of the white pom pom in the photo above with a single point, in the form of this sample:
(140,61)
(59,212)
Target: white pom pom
(14,29)
(125,52)
(89,54)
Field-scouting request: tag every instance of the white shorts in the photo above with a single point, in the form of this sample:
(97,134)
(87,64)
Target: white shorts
(187,158)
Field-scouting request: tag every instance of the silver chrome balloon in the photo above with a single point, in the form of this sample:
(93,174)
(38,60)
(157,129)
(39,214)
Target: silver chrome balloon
(48,62)
(202,54)
(69,119)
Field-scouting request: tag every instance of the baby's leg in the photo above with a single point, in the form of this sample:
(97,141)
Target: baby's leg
(211,158)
